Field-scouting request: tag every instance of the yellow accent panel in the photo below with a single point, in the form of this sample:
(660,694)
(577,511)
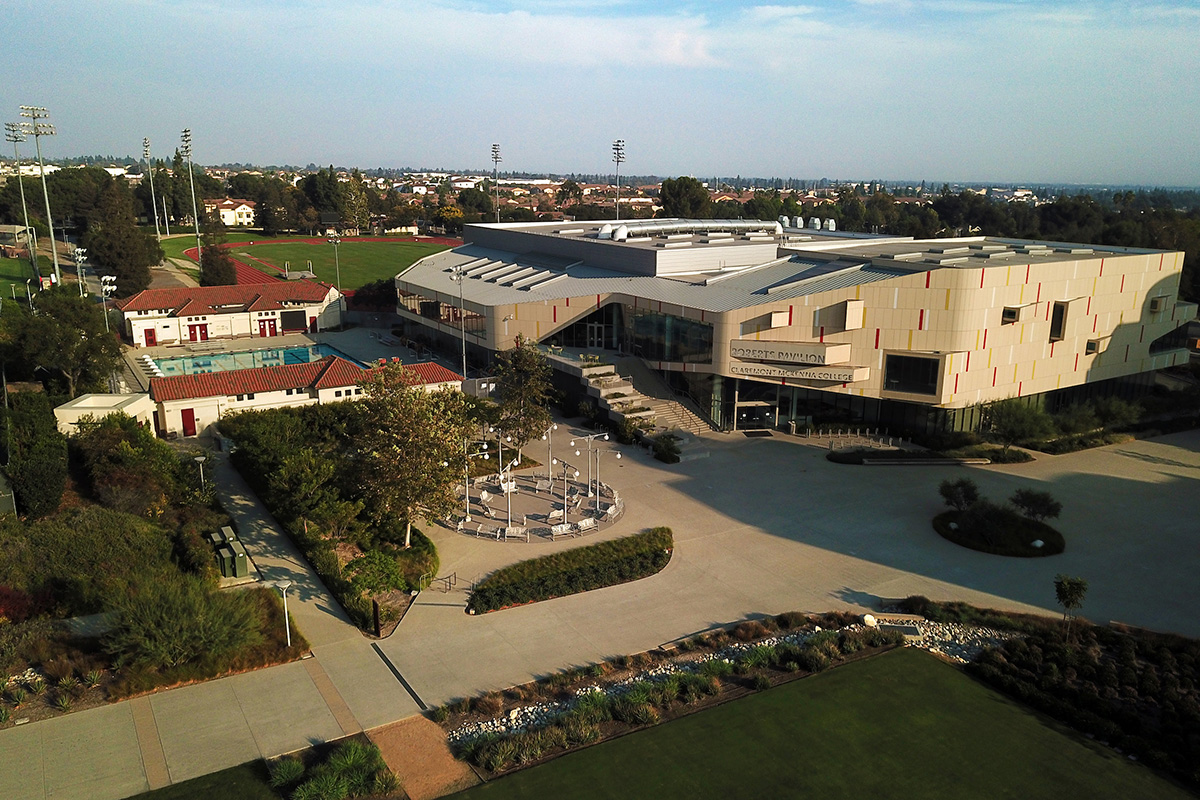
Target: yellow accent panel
(539,330)
(857,292)
(910,333)
(989,358)
(947,299)
(1094,282)
(977,339)
(1015,368)
(1022,295)
(1021,336)
(1033,371)
(1008,277)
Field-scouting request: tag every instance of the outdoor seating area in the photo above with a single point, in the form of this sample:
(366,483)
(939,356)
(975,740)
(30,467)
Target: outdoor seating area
(528,508)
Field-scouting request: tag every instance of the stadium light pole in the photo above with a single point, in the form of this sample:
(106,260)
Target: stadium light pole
(618,149)
(458,275)
(166,219)
(186,152)
(108,286)
(496,159)
(80,258)
(38,130)
(150,170)
(14,134)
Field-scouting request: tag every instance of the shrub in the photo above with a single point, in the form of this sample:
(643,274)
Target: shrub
(761,683)
(1036,505)
(440,713)
(959,494)
(579,570)
(593,707)
(286,772)
(5,715)
(716,668)
(324,786)
(63,702)
(666,448)
(488,704)
(813,660)
(166,623)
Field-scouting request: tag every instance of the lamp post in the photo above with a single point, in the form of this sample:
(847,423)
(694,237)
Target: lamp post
(38,130)
(200,463)
(185,150)
(566,467)
(14,134)
(150,170)
(283,586)
(548,438)
(496,159)
(80,258)
(618,149)
(166,218)
(467,475)
(589,439)
(599,453)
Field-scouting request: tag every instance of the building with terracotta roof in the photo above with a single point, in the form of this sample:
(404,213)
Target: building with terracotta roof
(186,405)
(196,314)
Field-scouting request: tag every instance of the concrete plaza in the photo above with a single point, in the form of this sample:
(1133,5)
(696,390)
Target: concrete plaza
(761,526)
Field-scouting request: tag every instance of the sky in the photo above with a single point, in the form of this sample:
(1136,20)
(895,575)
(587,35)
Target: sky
(1016,91)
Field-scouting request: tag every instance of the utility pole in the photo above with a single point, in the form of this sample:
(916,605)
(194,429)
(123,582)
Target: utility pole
(38,130)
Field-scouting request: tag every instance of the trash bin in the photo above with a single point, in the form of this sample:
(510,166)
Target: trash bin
(216,539)
(241,562)
(227,534)
(792,427)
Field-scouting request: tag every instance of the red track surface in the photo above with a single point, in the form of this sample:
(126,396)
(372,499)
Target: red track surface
(247,274)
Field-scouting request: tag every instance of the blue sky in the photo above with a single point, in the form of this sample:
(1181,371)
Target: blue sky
(971,90)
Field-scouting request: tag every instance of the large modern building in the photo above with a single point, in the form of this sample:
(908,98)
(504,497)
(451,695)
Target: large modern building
(762,323)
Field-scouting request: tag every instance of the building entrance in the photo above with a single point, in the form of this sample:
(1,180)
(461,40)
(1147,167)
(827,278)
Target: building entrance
(596,335)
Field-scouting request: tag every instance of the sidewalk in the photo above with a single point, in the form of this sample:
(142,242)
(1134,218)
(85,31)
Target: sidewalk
(122,749)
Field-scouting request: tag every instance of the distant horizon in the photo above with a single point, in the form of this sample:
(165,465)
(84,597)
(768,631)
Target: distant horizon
(931,184)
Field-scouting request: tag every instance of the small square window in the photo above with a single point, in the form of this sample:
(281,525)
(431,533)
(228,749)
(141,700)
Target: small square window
(338,393)
(1093,347)
(1010,315)
(1157,304)
(250,396)
(241,397)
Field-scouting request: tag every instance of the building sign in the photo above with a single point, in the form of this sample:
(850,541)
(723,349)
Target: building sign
(831,374)
(817,353)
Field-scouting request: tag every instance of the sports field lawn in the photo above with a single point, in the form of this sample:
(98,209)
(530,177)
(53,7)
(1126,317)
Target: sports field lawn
(362,262)
(901,725)
(175,246)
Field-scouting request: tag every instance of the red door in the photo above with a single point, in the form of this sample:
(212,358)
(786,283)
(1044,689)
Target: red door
(189,421)
(151,339)
(266,327)
(193,333)
(203,333)
(271,327)
(312,324)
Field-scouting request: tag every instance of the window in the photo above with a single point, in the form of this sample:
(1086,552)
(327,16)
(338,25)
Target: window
(1093,347)
(358,391)
(1058,321)
(911,374)
(1010,315)
(1157,304)
(338,393)
(241,397)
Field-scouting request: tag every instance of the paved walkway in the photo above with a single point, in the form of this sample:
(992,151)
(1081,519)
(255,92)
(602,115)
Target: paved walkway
(761,526)
(151,741)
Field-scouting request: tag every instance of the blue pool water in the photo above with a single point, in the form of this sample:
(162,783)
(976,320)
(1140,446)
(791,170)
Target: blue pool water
(247,359)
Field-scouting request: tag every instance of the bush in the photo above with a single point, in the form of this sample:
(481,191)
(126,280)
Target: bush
(999,530)
(959,494)
(666,448)
(286,772)
(579,570)
(1036,505)
(166,623)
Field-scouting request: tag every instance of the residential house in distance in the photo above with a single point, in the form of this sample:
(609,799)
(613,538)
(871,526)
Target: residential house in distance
(233,213)
(170,316)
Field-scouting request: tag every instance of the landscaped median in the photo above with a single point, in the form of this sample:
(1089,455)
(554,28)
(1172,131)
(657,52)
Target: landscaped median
(580,570)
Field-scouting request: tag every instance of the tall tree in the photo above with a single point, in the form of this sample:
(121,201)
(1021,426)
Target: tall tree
(116,245)
(523,392)
(411,456)
(63,335)
(354,204)
(1011,421)
(217,267)
(685,197)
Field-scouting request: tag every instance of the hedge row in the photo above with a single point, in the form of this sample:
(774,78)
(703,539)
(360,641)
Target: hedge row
(574,571)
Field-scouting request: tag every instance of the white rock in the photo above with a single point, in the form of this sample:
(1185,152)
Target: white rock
(869,621)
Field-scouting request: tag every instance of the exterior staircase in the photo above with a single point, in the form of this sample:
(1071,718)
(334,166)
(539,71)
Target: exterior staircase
(670,413)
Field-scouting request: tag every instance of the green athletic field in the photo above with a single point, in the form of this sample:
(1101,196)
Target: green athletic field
(361,262)
(902,725)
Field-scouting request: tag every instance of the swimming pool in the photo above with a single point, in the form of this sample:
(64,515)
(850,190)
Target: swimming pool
(247,359)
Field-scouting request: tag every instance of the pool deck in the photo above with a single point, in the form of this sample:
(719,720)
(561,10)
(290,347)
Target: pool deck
(363,344)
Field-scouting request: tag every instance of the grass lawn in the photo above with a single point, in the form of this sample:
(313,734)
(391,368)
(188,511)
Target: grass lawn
(246,782)
(900,725)
(361,262)
(15,271)
(175,246)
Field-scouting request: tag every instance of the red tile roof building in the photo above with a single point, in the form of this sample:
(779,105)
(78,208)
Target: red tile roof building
(169,316)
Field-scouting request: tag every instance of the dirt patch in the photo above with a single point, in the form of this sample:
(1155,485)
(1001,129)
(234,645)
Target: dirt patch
(415,750)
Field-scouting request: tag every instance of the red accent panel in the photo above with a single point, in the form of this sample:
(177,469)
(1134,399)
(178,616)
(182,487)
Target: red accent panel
(995,370)
(822,333)
(569,303)
(968,369)
(877,338)
(1027,273)
(556,313)
(1160,261)
(981,274)
(1047,304)
(956,383)
(1102,268)
(1077,362)
(1126,352)
(921,321)
(702,315)
(985,338)
(789,316)
(1019,385)
(1089,308)
(1142,335)
(1122,283)
(1038,299)
(927,274)
(1052,349)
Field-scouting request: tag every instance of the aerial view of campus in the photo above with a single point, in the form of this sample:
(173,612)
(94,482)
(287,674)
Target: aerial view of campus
(599,400)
